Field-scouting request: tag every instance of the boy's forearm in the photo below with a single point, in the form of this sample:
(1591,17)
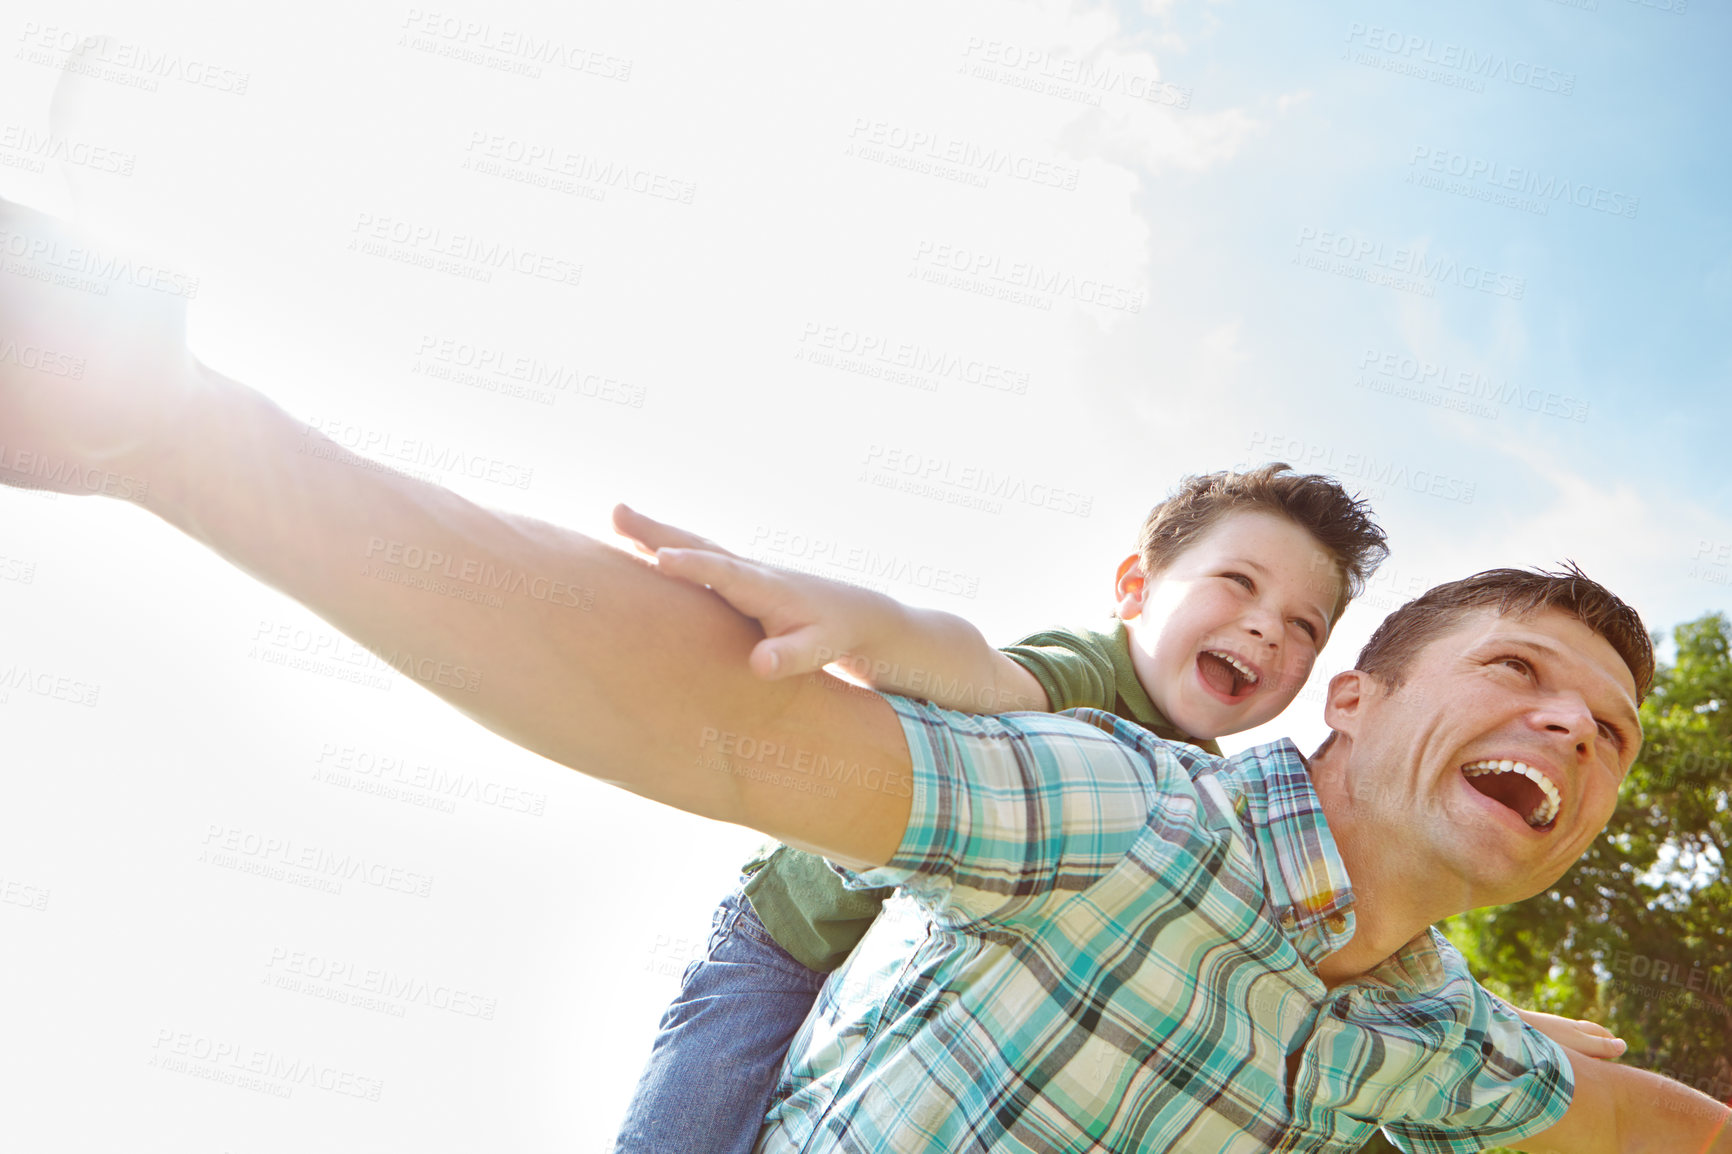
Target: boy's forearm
(564,645)
(943,658)
(1624,1110)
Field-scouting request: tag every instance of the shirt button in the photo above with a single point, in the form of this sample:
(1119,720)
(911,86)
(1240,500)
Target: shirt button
(1336,923)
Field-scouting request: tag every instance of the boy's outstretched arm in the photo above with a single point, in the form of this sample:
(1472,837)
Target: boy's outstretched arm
(810,622)
(592,658)
(1622,1110)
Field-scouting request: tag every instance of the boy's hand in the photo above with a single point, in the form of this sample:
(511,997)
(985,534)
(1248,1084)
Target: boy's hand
(808,621)
(1578,1034)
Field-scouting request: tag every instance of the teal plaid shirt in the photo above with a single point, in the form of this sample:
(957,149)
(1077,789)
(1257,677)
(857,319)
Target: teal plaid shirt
(1110,947)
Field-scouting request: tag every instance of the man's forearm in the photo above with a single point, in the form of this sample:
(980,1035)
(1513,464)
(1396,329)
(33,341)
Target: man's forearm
(569,647)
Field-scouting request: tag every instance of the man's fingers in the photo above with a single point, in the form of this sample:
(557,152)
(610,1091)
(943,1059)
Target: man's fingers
(648,534)
(1593,1028)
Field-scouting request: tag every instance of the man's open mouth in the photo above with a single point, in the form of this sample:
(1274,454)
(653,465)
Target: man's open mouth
(1518,785)
(1225,674)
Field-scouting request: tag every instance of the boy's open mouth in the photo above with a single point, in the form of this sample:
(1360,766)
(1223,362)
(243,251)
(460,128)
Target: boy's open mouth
(1521,787)
(1226,674)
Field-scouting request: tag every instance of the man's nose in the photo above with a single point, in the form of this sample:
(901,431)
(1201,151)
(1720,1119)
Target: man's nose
(1569,716)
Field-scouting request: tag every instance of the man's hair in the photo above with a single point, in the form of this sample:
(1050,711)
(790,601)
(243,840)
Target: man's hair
(1339,522)
(1511,593)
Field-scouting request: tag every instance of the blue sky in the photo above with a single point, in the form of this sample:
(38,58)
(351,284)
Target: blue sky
(1103,246)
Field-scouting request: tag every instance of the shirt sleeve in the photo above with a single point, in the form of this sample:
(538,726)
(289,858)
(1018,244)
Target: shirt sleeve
(1075,674)
(1504,1081)
(1013,814)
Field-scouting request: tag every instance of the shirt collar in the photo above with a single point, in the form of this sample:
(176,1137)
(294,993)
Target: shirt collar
(1306,884)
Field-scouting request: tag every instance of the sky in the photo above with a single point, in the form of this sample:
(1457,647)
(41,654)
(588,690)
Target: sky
(938,298)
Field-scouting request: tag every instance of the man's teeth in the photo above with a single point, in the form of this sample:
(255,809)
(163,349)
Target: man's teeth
(1245,671)
(1547,809)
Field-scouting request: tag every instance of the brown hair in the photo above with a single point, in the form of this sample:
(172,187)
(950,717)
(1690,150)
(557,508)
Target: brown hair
(1512,593)
(1340,522)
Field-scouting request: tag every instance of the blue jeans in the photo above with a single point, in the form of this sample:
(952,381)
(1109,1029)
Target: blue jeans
(713,1068)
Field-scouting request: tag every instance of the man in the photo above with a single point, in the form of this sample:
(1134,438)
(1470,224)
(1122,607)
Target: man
(643,681)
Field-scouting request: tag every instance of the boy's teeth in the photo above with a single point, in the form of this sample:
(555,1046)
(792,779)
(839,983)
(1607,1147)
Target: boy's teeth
(1547,809)
(1245,671)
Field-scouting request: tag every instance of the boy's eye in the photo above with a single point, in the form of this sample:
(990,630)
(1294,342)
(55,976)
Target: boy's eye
(1241,579)
(1310,629)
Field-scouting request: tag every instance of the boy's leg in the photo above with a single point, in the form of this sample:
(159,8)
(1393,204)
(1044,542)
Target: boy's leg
(712,1070)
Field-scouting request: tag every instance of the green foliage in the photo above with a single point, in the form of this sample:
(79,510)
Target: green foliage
(1644,950)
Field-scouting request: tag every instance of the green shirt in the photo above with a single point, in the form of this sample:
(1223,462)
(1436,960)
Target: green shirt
(800,899)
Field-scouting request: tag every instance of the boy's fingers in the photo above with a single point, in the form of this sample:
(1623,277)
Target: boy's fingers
(648,534)
(790,654)
(1593,1028)
(739,583)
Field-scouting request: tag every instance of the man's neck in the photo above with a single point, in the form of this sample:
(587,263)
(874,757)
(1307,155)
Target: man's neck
(1393,899)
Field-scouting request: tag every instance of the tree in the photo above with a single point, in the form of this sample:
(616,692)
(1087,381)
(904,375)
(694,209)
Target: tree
(1638,935)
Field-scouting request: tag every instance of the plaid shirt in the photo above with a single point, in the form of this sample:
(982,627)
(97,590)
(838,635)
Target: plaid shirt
(1113,950)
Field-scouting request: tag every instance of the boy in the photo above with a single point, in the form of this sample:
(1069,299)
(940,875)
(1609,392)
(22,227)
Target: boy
(1237,582)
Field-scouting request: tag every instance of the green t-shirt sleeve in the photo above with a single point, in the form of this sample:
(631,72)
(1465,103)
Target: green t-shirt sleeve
(801,900)
(808,911)
(1076,673)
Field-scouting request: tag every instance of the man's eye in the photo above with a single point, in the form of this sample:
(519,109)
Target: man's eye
(1516,663)
(1612,734)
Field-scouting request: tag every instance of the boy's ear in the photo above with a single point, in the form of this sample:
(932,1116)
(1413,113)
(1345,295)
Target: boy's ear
(1130,586)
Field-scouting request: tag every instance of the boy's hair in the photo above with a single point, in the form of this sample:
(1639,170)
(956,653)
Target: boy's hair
(1512,593)
(1340,522)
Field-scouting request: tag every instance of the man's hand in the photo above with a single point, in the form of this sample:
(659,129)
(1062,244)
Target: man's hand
(93,359)
(1578,1034)
(808,621)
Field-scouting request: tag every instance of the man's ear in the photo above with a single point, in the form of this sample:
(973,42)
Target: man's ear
(1130,586)
(1345,702)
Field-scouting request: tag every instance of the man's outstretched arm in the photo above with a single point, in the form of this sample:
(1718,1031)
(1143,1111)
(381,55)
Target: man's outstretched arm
(590,657)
